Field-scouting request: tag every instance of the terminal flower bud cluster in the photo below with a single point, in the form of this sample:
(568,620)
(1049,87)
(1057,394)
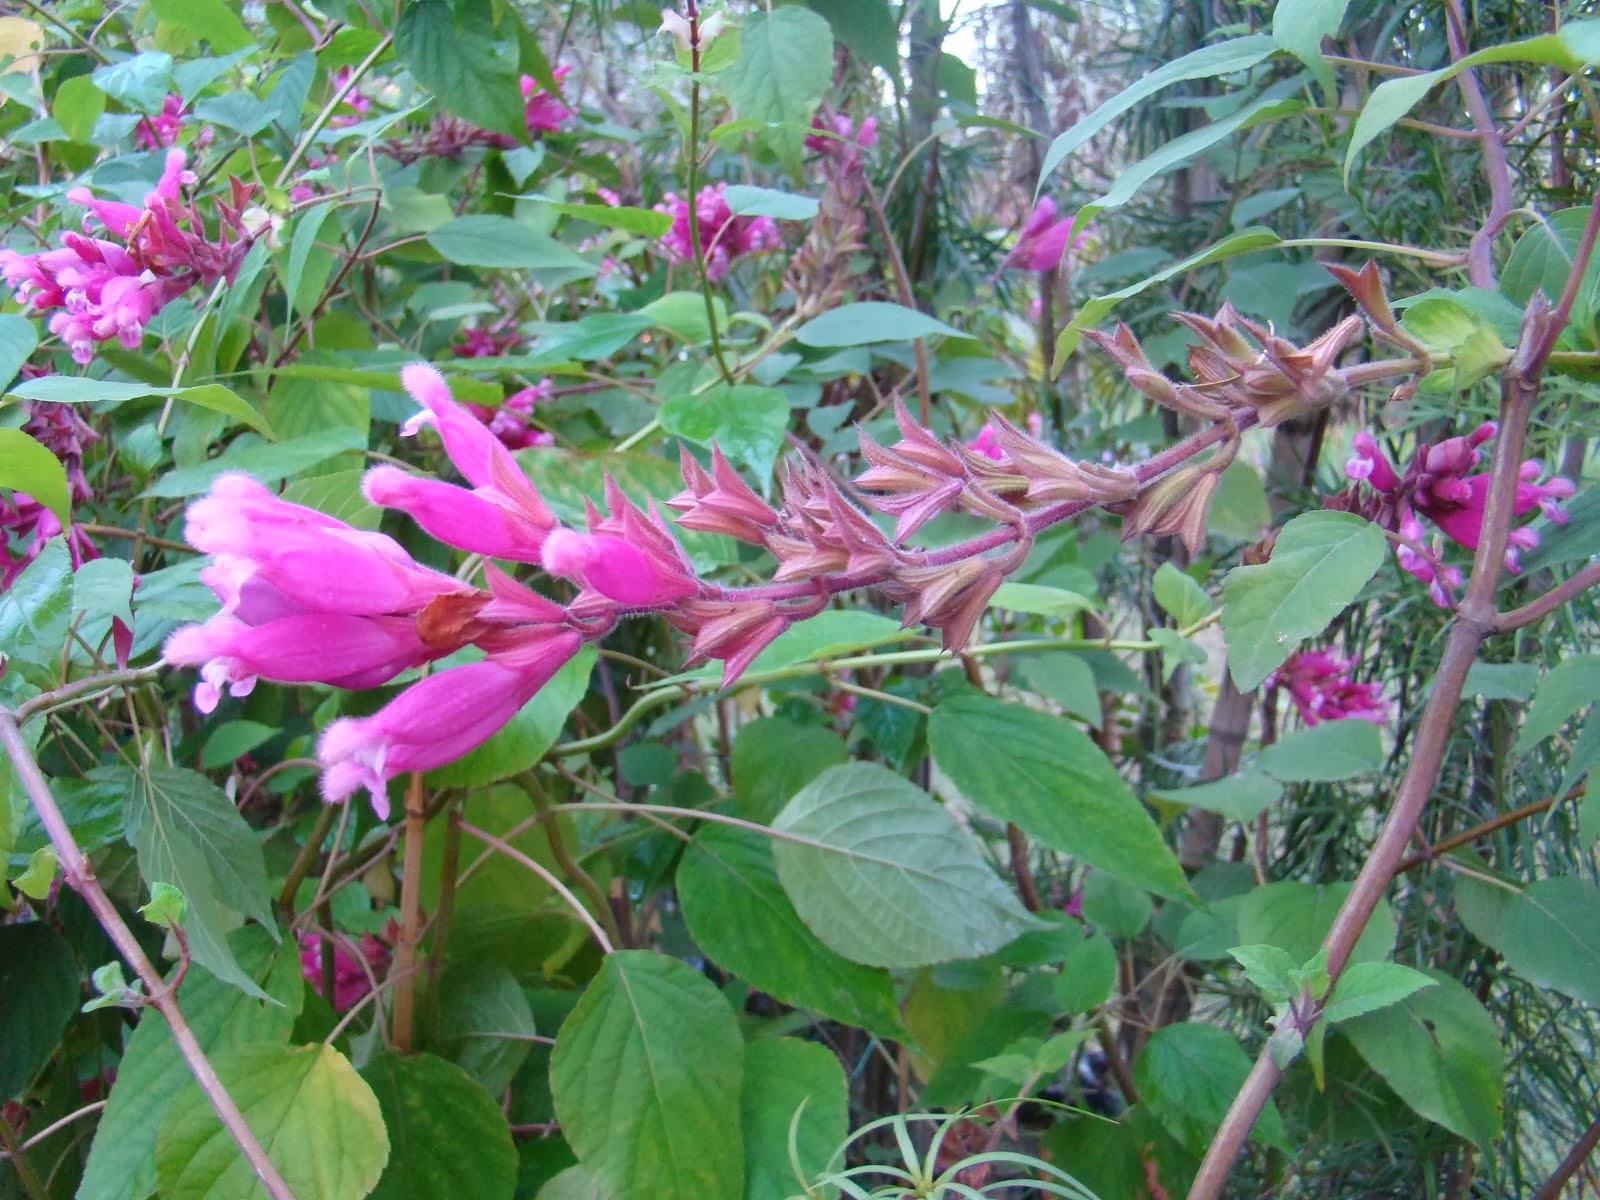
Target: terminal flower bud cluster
(1441,485)
(106,289)
(1238,364)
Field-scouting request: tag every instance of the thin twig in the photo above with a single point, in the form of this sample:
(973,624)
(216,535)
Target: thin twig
(1546,604)
(543,873)
(75,869)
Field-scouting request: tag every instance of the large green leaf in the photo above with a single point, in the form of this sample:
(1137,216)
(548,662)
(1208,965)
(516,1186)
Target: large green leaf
(646,1077)
(869,321)
(1439,1050)
(1299,27)
(186,832)
(1550,935)
(1569,688)
(27,466)
(1576,541)
(266,463)
(522,741)
(867,27)
(18,339)
(317,1120)
(122,1163)
(787,1081)
(1224,58)
(885,876)
(488,240)
(1187,1076)
(73,389)
(1055,784)
(746,421)
(456,52)
(38,995)
(739,916)
(1331,750)
(773,758)
(447,1136)
(1320,563)
(784,65)
(1296,916)
(1239,797)
(485,1024)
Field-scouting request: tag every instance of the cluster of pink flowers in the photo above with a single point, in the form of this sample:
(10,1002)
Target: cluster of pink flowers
(1440,484)
(25,524)
(1042,243)
(356,103)
(352,979)
(987,443)
(162,130)
(511,421)
(545,112)
(1319,686)
(479,341)
(838,137)
(106,289)
(723,236)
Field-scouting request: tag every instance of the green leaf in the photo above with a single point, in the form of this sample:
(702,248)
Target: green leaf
(447,1136)
(39,875)
(27,466)
(1575,45)
(1088,976)
(1501,681)
(38,996)
(1113,907)
(747,201)
(1296,916)
(1270,969)
(1184,600)
(1055,784)
(1040,601)
(1576,541)
(141,81)
(166,906)
(457,54)
(646,1077)
(213,20)
(773,758)
(19,337)
(740,918)
(1224,58)
(307,225)
(76,106)
(485,1025)
(1097,309)
(186,832)
(784,66)
(1319,565)
(265,463)
(1568,689)
(1064,678)
(1188,1074)
(104,587)
(683,314)
(121,1162)
(1368,986)
(1448,327)
(1240,797)
(746,421)
(868,321)
(1331,750)
(884,876)
(1299,27)
(787,1083)
(1550,935)
(646,222)
(868,28)
(523,740)
(489,240)
(317,1120)
(1439,1050)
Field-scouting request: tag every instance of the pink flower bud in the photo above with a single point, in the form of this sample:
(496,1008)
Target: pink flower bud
(455,515)
(615,568)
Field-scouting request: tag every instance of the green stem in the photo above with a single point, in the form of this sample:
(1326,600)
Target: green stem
(692,170)
(558,850)
(323,117)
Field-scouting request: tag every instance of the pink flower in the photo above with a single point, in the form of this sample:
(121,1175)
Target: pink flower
(845,142)
(545,112)
(1439,484)
(438,719)
(478,342)
(160,131)
(987,442)
(1319,686)
(351,981)
(357,103)
(305,597)
(614,567)
(511,420)
(723,236)
(1043,241)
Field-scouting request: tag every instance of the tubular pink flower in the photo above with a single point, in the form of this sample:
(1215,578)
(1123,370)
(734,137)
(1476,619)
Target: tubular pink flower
(612,566)
(1042,242)
(455,515)
(301,648)
(545,112)
(437,719)
(1319,686)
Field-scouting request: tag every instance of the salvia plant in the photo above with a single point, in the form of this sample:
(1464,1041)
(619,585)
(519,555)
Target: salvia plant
(761,600)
